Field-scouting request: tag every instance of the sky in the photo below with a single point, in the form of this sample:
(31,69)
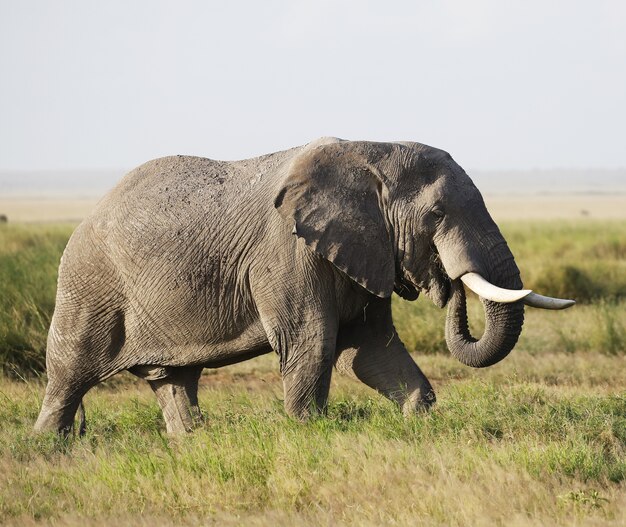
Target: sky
(498,84)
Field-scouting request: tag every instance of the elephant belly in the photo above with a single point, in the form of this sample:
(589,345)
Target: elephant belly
(187,344)
(175,326)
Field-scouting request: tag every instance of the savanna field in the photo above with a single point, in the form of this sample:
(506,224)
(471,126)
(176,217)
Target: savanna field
(539,439)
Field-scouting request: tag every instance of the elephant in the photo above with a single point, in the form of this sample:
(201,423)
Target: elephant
(191,263)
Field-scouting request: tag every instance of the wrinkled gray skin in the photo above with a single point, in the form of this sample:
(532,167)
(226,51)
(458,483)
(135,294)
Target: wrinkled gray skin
(191,263)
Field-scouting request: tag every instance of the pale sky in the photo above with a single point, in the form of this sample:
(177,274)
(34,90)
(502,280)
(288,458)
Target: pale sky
(499,84)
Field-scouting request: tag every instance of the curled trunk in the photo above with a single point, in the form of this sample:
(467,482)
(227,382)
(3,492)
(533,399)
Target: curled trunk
(503,325)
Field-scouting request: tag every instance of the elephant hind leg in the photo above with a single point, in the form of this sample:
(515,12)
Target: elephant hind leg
(67,385)
(60,403)
(176,390)
(82,348)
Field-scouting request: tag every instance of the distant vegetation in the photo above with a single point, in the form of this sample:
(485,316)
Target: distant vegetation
(584,260)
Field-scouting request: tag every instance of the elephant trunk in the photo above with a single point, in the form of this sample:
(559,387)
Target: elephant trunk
(503,322)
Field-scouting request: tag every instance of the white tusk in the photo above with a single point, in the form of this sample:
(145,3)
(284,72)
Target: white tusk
(547,302)
(487,290)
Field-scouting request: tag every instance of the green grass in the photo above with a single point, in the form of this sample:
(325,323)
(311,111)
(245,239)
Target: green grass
(539,439)
(29,258)
(499,445)
(581,259)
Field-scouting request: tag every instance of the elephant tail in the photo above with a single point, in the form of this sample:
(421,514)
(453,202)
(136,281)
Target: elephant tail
(82,422)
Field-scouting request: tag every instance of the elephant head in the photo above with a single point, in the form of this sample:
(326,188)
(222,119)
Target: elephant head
(406,217)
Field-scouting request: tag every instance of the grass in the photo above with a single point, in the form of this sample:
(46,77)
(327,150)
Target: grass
(539,439)
(29,258)
(503,443)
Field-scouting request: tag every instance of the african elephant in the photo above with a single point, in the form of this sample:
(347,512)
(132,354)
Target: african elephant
(190,263)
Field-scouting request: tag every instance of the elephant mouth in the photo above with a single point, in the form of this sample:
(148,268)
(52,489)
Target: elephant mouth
(437,285)
(438,290)
(434,282)
(404,288)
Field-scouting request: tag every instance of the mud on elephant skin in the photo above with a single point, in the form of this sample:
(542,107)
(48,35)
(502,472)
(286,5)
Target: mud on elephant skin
(191,263)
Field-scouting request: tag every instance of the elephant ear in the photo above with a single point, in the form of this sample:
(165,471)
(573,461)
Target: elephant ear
(335,197)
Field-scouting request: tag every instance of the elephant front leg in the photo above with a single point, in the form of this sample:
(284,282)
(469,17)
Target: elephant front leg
(390,371)
(372,353)
(306,369)
(297,308)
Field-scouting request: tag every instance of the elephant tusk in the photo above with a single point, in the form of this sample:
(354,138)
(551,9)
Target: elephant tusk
(487,290)
(547,302)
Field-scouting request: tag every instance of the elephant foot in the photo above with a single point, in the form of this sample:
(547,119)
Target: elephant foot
(418,402)
(59,407)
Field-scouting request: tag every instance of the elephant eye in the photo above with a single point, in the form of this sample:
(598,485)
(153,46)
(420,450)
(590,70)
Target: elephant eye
(438,214)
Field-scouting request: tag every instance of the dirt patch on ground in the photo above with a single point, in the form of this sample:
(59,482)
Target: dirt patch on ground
(250,381)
